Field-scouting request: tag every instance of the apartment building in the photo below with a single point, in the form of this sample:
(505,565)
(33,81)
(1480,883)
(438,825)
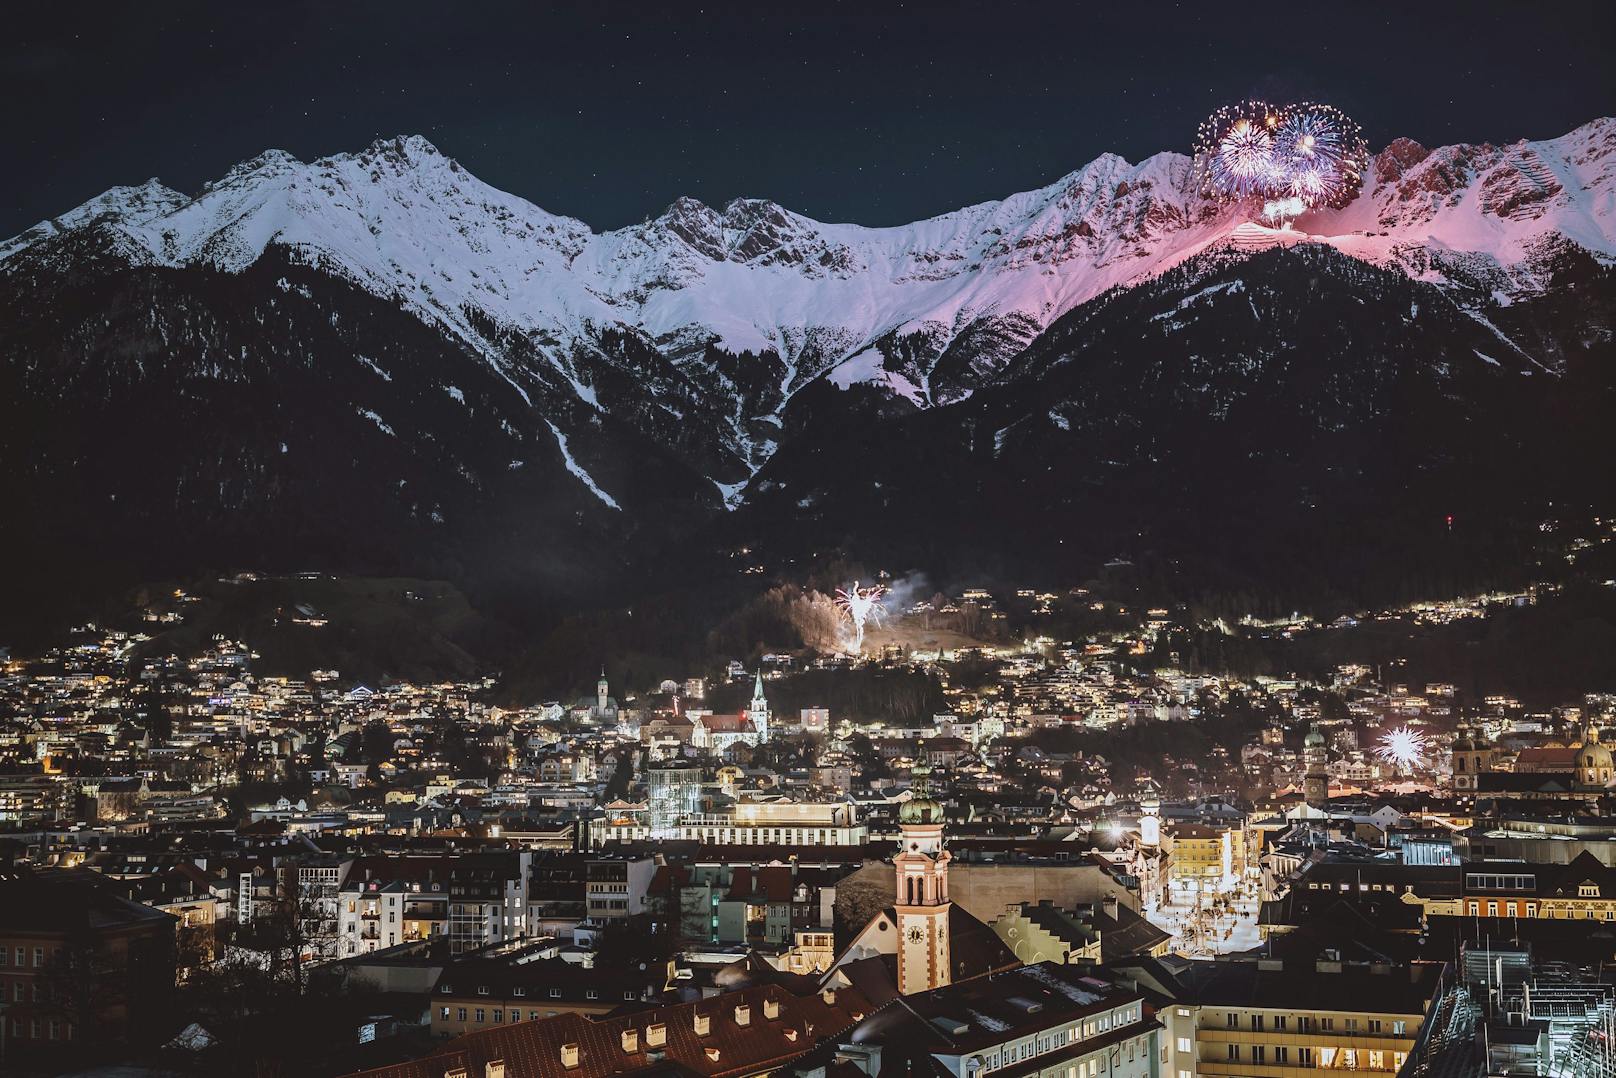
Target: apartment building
(1268,1018)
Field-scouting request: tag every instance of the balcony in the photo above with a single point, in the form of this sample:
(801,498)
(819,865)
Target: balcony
(1358,1039)
(1244,1068)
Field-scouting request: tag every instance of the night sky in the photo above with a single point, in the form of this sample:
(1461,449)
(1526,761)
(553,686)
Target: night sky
(608,112)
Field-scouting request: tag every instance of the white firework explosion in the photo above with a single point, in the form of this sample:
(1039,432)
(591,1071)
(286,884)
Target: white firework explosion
(1403,747)
(863,605)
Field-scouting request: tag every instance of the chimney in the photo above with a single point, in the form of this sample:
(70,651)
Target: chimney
(743,1014)
(656,1035)
(1110,905)
(631,1040)
(703,1024)
(771,1009)
(829,996)
(569,1055)
(494,1068)
(712,1054)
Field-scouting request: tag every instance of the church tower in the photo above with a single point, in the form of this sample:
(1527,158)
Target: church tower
(1469,757)
(922,908)
(1595,762)
(758,710)
(1150,818)
(1316,782)
(601,695)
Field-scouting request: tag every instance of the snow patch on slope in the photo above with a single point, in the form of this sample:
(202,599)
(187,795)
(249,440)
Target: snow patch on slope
(577,469)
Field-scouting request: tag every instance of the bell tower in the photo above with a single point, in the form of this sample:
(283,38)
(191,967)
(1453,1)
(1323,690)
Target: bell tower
(758,711)
(1471,755)
(922,908)
(1316,781)
(1150,818)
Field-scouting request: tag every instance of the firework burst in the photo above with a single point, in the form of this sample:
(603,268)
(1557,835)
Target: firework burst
(1295,157)
(863,605)
(1403,747)
(1321,154)
(1235,150)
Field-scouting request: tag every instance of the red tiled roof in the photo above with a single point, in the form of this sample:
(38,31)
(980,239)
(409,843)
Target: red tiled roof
(1556,758)
(727,1050)
(727,723)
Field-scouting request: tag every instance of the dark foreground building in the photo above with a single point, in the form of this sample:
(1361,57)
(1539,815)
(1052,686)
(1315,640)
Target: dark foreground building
(79,963)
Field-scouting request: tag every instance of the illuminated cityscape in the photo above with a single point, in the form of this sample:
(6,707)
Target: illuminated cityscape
(1155,620)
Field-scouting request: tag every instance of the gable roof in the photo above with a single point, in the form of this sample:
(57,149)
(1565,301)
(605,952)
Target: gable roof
(728,1049)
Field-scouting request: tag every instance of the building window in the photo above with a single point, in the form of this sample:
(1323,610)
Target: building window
(461,1017)
(1399,1027)
(1256,1023)
(443,1014)
(1256,1053)
(1281,1054)
(481,1015)
(1279,1023)
(1374,1025)
(1234,1051)
(1185,1044)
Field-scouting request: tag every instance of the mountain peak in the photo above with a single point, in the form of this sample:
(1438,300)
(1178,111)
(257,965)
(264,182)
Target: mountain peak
(269,163)
(1400,155)
(402,149)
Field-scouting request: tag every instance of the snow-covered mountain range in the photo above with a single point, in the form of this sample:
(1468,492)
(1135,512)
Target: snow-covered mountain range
(929,310)
(376,363)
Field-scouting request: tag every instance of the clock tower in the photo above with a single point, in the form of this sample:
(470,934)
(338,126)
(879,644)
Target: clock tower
(922,907)
(1316,780)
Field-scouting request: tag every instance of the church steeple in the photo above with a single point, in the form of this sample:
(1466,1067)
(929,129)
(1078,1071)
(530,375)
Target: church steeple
(1316,780)
(923,905)
(1150,817)
(758,710)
